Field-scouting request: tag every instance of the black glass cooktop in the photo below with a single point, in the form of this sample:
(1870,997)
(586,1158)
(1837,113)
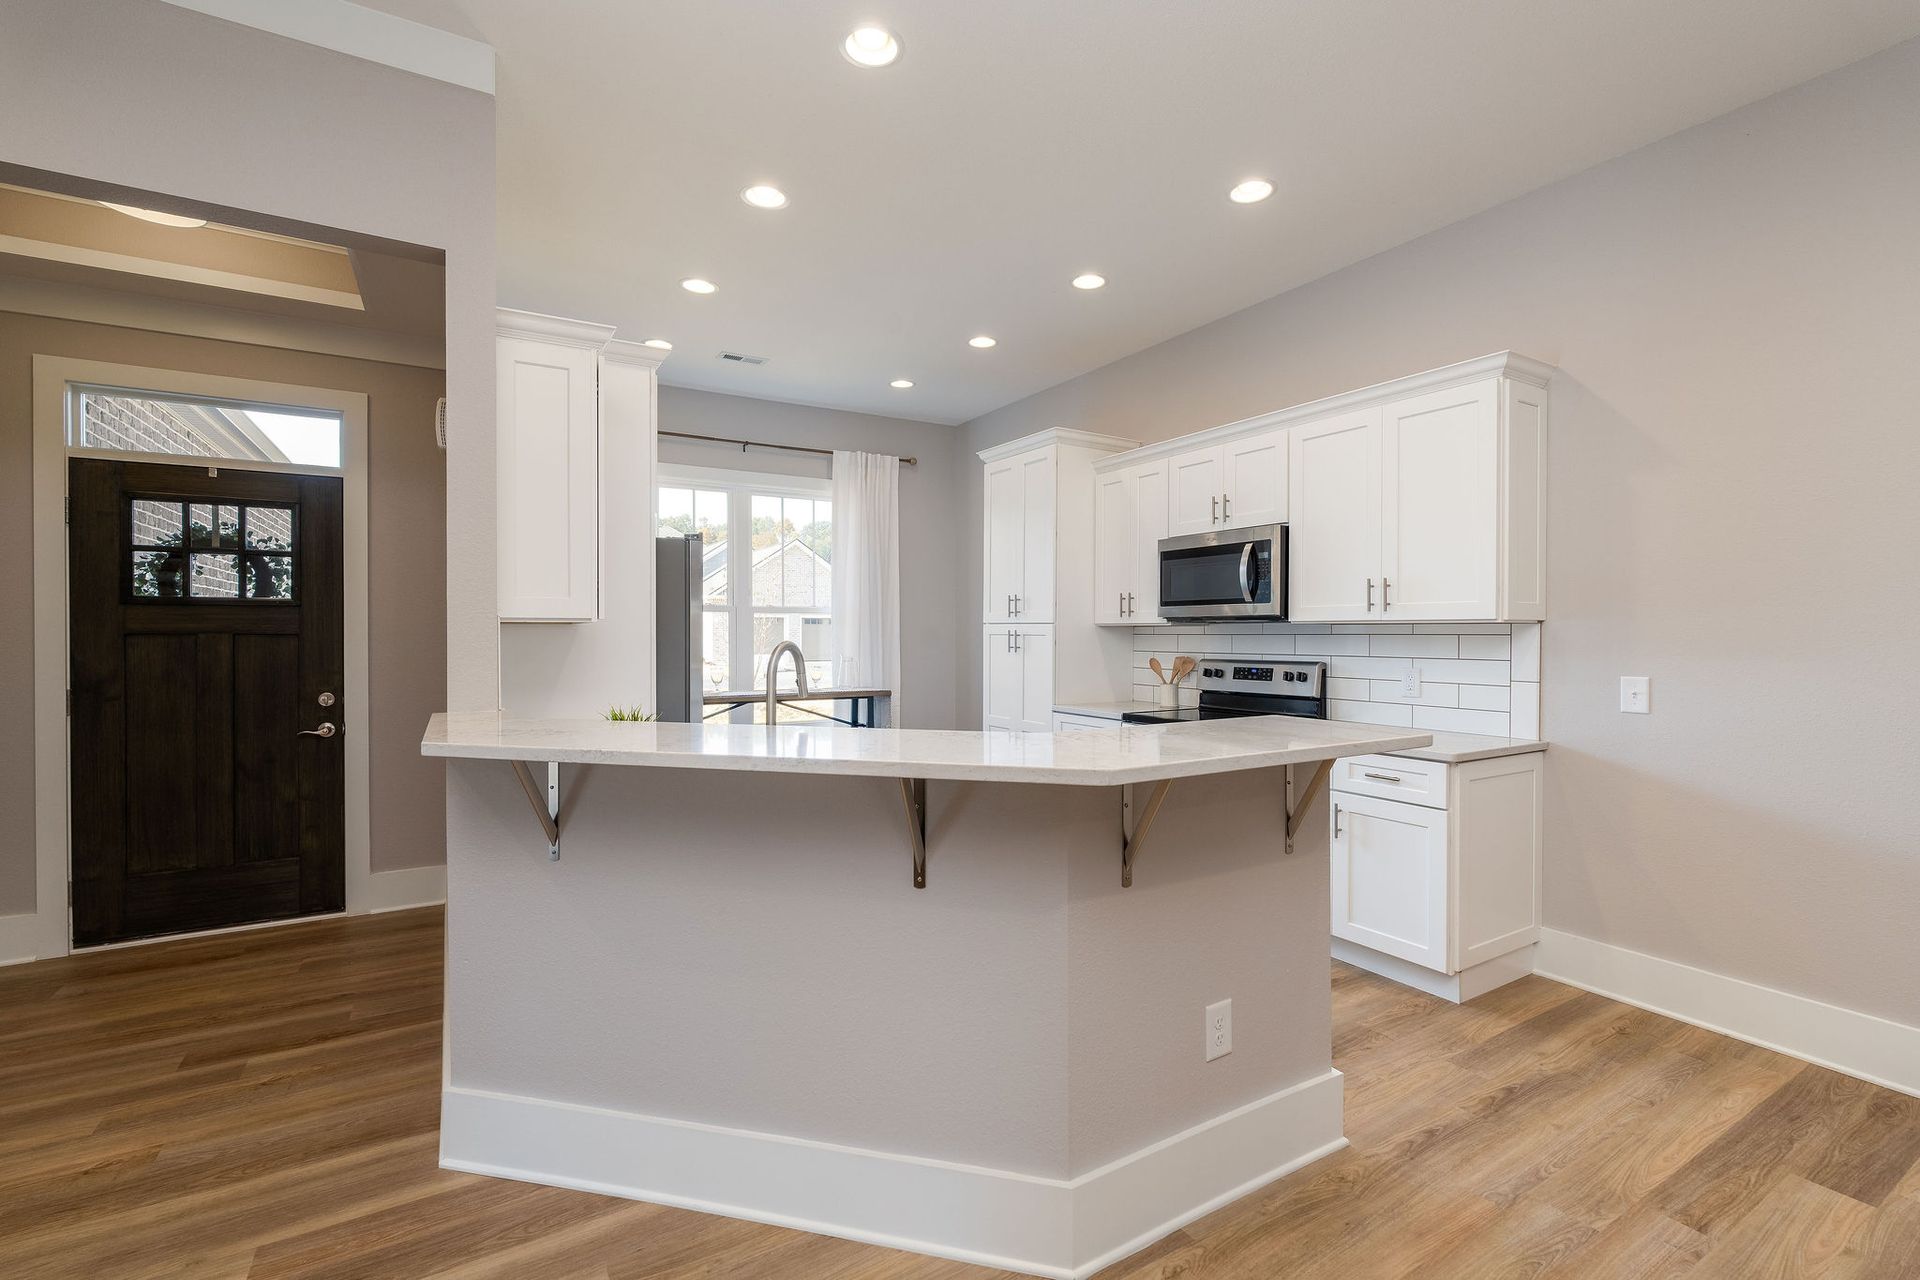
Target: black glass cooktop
(1172,715)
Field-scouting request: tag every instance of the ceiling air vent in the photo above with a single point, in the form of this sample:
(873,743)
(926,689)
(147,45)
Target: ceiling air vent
(734,357)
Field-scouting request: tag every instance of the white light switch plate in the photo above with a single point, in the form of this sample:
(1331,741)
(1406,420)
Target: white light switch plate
(1636,694)
(1219,1030)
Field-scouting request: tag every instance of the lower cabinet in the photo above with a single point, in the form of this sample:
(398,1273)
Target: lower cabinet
(1017,690)
(1436,869)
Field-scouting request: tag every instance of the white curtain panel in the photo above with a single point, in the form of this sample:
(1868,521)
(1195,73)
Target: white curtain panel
(866,573)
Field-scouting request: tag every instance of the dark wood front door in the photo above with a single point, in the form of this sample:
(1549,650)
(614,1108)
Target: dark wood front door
(206,641)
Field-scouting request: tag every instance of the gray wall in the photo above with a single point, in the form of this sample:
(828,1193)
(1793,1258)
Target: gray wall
(407,613)
(161,99)
(1734,457)
(934,610)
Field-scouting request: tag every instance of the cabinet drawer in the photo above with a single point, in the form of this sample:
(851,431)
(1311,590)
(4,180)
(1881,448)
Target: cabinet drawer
(1422,782)
(1070,722)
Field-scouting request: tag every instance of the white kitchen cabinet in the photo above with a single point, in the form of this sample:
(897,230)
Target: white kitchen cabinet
(1436,869)
(1054,551)
(1333,537)
(1018,684)
(1228,486)
(1130,519)
(1440,473)
(547,435)
(1020,543)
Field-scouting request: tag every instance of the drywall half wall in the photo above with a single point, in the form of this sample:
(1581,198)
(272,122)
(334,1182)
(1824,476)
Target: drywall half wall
(407,567)
(934,606)
(113,93)
(1735,445)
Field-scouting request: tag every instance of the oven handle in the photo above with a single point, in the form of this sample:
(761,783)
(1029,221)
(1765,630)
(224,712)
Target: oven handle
(1246,572)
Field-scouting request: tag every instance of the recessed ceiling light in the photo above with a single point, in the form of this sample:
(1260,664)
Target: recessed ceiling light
(1252,191)
(901,384)
(765,197)
(658,344)
(983,342)
(155,216)
(1089,281)
(871,46)
(694,284)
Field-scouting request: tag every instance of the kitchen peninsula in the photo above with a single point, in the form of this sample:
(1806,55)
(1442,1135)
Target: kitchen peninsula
(895,984)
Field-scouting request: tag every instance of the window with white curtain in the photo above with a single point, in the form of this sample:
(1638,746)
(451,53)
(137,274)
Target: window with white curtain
(768,569)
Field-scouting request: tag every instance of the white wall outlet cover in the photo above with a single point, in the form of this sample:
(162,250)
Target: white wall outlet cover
(1410,683)
(1219,1041)
(1636,694)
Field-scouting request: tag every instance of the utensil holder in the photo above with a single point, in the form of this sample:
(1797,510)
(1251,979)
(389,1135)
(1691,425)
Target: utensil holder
(1166,695)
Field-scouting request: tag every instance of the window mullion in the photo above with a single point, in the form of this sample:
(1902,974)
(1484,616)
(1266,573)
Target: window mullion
(740,584)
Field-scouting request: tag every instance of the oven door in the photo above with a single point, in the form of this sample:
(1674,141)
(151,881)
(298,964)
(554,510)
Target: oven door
(1236,573)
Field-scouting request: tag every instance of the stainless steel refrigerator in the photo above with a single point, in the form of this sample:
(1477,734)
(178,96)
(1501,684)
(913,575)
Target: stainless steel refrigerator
(679,675)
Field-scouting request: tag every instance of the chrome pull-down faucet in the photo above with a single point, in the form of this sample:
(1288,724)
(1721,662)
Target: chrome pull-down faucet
(773,672)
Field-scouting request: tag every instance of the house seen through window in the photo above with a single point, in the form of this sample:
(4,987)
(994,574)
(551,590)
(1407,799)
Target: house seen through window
(768,571)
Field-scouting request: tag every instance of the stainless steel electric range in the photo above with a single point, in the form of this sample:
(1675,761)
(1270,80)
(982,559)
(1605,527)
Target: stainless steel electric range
(1232,687)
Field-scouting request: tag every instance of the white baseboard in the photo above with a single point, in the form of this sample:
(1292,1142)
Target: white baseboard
(1063,1228)
(19,938)
(1857,1044)
(1468,984)
(407,887)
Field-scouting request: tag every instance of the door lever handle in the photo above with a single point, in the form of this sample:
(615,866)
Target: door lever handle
(326,730)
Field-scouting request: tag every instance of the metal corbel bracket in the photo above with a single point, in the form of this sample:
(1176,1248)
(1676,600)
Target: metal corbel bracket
(1297,812)
(913,794)
(546,808)
(1130,841)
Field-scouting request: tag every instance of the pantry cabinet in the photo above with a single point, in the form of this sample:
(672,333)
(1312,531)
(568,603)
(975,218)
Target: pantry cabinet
(1052,548)
(1130,518)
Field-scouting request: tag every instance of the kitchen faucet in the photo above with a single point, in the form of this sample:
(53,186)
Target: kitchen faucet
(773,671)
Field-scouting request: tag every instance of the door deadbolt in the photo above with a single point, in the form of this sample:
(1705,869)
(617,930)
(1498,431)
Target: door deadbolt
(325,699)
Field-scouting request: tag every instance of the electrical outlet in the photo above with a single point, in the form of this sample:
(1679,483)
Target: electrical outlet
(1219,1030)
(1410,683)
(1636,694)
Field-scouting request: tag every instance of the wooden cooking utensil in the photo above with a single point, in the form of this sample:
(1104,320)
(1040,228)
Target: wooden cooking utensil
(1182,668)
(1157,671)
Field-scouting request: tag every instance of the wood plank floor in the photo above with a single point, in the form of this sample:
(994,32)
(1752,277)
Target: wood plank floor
(263,1105)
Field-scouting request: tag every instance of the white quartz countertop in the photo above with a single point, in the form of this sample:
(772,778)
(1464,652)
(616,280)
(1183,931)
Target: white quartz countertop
(1100,757)
(1446,748)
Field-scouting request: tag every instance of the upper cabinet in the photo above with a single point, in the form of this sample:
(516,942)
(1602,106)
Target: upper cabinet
(554,416)
(1228,486)
(1421,500)
(1020,537)
(1129,518)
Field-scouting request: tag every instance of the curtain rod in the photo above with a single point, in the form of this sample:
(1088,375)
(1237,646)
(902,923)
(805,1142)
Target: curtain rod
(758,444)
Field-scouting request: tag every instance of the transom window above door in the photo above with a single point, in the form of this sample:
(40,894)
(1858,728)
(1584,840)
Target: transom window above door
(184,426)
(205,551)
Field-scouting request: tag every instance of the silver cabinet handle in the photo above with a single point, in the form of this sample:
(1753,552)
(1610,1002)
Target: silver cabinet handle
(326,730)
(1386,601)
(1016,605)
(1215,517)
(1369,595)
(1336,822)
(1129,604)
(1382,777)
(1226,506)
(1123,604)
(1016,642)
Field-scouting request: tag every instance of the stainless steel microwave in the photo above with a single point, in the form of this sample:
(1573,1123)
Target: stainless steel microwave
(1229,573)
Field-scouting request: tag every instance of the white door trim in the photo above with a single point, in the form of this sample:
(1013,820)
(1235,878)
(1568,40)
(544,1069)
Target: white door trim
(52,375)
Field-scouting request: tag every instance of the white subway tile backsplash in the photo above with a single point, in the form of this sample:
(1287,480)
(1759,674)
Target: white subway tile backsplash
(1475,677)
(1369,713)
(1431,694)
(1500,647)
(1412,646)
(1453,720)
(1526,651)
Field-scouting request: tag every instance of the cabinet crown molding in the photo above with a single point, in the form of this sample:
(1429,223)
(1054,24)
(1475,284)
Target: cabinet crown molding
(626,351)
(1041,439)
(558,330)
(1501,364)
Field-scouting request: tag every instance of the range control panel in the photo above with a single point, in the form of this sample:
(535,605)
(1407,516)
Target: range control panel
(1277,679)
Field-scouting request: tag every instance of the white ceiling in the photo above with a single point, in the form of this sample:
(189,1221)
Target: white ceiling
(1017,143)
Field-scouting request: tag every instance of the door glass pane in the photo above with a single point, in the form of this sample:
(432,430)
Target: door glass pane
(213,526)
(269,577)
(159,575)
(156,524)
(269,528)
(134,423)
(216,576)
